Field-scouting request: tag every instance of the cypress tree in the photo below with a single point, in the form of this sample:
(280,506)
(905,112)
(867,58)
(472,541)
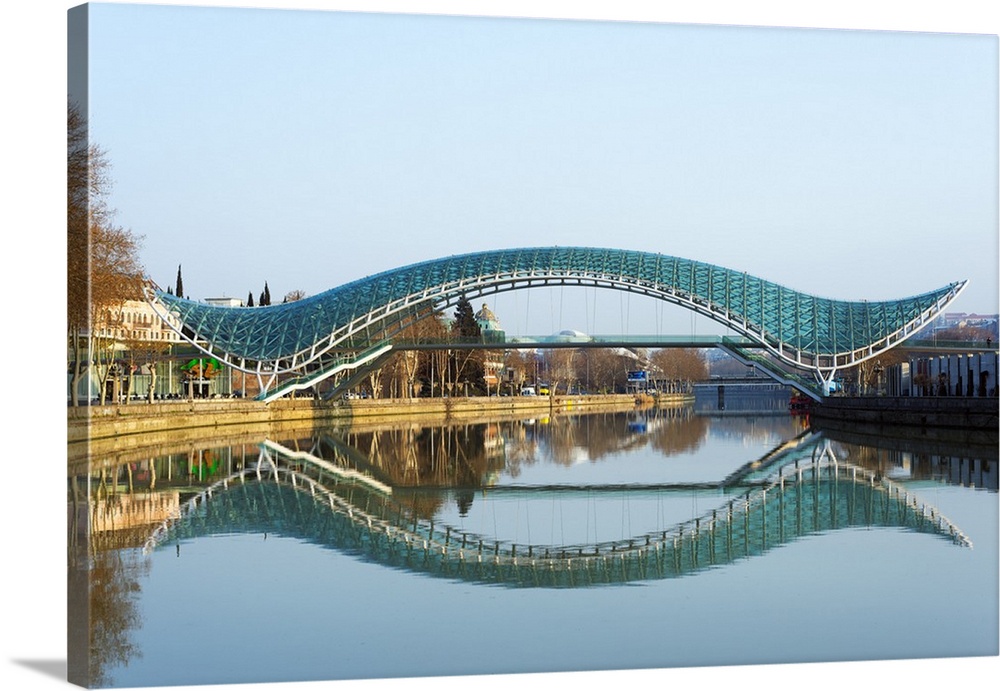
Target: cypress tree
(267,293)
(468,365)
(465,325)
(250,299)
(179,292)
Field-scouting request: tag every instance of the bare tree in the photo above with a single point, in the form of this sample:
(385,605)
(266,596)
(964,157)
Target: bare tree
(868,374)
(493,363)
(144,353)
(409,366)
(679,364)
(115,278)
(375,382)
(560,365)
(103,267)
(607,368)
(84,171)
(517,363)
(432,365)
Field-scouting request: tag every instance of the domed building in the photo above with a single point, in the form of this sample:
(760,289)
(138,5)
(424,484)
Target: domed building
(569,336)
(489,325)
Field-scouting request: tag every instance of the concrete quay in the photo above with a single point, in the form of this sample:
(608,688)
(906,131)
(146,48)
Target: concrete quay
(959,413)
(114,429)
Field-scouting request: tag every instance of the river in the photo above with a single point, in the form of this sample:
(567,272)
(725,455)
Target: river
(681,537)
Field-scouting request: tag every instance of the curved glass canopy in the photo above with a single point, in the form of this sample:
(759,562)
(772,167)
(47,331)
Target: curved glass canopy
(803,330)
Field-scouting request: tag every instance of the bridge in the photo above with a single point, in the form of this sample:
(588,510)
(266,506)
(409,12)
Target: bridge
(799,488)
(807,339)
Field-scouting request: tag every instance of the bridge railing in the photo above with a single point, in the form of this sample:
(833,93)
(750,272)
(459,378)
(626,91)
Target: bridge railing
(497,341)
(307,380)
(737,347)
(939,344)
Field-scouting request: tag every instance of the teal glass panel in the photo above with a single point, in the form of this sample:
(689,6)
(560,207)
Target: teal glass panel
(813,325)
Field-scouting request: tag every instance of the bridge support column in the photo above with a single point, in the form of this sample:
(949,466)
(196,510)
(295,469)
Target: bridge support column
(826,383)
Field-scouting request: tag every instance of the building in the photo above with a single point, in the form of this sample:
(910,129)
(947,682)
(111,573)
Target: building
(489,325)
(224,302)
(962,320)
(492,332)
(136,322)
(135,350)
(955,375)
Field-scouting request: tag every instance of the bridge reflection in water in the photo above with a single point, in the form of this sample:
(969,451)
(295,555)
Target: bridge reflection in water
(798,489)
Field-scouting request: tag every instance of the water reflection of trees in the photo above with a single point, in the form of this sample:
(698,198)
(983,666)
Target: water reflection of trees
(682,435)
(568,440)
(105,568)
(456,456)
(470,455)
(112,511)
(447,456)
(467,457)
(114,591)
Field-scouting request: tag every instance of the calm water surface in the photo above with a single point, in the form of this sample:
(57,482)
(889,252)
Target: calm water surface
(603,541)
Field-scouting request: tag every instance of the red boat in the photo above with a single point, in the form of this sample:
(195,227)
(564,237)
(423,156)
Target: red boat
(799,404)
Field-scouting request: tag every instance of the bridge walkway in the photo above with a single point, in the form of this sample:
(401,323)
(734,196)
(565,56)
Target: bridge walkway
(362,362)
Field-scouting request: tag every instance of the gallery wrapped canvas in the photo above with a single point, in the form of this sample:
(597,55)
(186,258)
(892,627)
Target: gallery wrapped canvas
(410,346)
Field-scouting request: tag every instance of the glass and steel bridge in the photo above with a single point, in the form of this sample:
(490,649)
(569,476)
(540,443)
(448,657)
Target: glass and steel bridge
(355,321)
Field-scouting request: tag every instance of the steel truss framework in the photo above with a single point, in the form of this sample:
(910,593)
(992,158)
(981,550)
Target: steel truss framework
(804,332)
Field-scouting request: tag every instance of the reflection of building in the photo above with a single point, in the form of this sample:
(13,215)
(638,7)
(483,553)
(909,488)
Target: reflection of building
(127,520)
(492,332)
(493,442)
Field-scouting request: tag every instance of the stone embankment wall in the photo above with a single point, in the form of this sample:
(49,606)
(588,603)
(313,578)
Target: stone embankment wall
(965,413)
(95,430)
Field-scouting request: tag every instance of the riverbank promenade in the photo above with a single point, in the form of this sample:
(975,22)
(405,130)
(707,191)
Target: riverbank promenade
(122,427)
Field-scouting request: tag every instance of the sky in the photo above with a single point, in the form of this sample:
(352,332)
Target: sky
(686,179)
(310,148)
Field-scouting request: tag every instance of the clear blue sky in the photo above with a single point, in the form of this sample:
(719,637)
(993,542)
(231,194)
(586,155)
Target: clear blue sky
(311,148)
